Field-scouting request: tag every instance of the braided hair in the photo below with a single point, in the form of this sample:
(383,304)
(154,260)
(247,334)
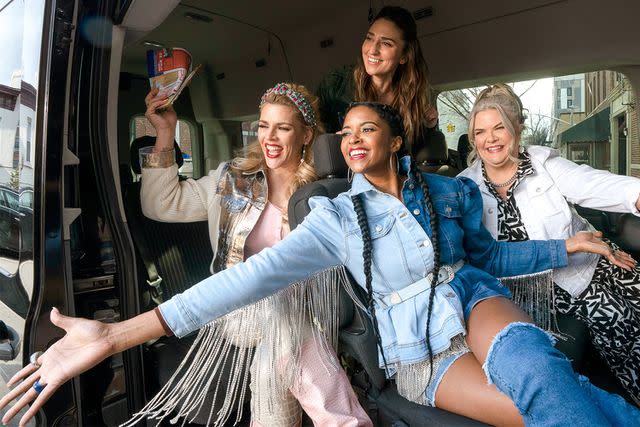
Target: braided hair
(394,120)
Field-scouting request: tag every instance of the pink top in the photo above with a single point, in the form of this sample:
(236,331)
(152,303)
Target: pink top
(267,232)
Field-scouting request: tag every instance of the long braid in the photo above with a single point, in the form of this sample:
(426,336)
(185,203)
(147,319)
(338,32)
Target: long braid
(367,249)
(436,256)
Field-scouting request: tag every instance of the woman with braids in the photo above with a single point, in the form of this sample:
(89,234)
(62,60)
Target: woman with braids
(526,193)
(416,243)
(245,204)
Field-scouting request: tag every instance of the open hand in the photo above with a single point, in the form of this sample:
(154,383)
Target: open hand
(84,345)
(587,241)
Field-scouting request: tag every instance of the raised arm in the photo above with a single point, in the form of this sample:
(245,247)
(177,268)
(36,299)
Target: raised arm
(514,258)
(163,196)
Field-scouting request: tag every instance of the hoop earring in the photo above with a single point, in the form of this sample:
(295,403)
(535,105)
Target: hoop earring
(349,175)
(304,152)
(397,170)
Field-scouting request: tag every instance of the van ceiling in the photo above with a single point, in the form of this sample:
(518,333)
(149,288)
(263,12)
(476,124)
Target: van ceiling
(465,42)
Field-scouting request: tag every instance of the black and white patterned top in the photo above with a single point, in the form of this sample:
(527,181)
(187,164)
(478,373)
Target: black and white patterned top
(510,226)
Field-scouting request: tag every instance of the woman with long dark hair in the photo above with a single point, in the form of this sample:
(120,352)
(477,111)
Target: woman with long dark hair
(390,69)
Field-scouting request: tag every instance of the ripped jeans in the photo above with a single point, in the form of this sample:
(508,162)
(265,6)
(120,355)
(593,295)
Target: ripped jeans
(523,364)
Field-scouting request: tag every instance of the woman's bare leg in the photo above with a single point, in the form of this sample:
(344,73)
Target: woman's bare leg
(488,318)
(464,390)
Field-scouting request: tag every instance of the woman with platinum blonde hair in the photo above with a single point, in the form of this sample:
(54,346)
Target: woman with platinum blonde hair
(528,192)
(245,203)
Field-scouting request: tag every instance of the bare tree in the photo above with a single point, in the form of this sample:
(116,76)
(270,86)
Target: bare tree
(460,101)
(537,130)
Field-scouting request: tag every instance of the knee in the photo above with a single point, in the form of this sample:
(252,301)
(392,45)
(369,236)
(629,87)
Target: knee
(522,352)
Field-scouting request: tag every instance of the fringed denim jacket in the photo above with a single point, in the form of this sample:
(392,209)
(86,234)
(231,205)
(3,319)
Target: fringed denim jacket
(402,255)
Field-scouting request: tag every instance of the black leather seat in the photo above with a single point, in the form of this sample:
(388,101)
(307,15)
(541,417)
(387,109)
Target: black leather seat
(434,156)
(181,253)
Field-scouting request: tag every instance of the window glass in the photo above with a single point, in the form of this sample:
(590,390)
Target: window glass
(184,137)
(589,117)
(249,132)
(21,25)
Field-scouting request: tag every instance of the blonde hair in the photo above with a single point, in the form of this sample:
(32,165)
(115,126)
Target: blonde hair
(504,100)
(410,85)
(251,158)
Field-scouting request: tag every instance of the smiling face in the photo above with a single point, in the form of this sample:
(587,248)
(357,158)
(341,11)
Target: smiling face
(282,136)
(367,142)
(493,141)
(383,49)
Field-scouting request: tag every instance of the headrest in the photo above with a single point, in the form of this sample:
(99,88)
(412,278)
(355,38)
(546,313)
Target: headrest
(434,152)
(328,159)
(464,146)
(148,141)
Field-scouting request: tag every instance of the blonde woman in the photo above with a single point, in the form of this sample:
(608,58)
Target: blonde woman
(526,192)
(245,203)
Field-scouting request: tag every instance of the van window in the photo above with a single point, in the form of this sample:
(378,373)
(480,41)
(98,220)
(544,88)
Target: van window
(589,117)
(249,132)
(140,126)
(21,24)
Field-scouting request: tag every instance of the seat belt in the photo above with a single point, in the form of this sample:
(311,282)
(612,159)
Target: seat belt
(154,280)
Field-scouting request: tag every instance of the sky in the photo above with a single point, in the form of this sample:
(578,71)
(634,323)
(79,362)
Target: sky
(20,38)
(538,98)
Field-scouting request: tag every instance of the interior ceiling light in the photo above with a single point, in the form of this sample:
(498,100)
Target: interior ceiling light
(152,43)
(198,17)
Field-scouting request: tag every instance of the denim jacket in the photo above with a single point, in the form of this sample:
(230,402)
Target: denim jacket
(402,254)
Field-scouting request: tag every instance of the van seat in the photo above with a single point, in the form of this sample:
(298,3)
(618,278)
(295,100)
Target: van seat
(181,252)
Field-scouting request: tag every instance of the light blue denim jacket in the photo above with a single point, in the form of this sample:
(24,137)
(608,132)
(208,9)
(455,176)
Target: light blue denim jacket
(402,254)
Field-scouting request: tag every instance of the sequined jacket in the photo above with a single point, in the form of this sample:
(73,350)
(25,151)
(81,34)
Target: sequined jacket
(402,254)
(231,202)
(545,200)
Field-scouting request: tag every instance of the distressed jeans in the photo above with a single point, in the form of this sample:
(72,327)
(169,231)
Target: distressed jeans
(523,364)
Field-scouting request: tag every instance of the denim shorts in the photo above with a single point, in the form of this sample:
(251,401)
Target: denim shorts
(413,379)
(471,293)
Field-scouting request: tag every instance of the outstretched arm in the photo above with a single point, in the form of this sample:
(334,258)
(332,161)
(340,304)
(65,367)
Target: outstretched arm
(315,245)
(593,188)
(503,259)
(85,344)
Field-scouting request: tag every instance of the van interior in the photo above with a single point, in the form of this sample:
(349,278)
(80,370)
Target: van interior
(89,251)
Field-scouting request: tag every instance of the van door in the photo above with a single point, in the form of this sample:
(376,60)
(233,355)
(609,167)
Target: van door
(21,24)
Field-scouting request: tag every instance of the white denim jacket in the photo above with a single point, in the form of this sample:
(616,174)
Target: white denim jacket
(542,200)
